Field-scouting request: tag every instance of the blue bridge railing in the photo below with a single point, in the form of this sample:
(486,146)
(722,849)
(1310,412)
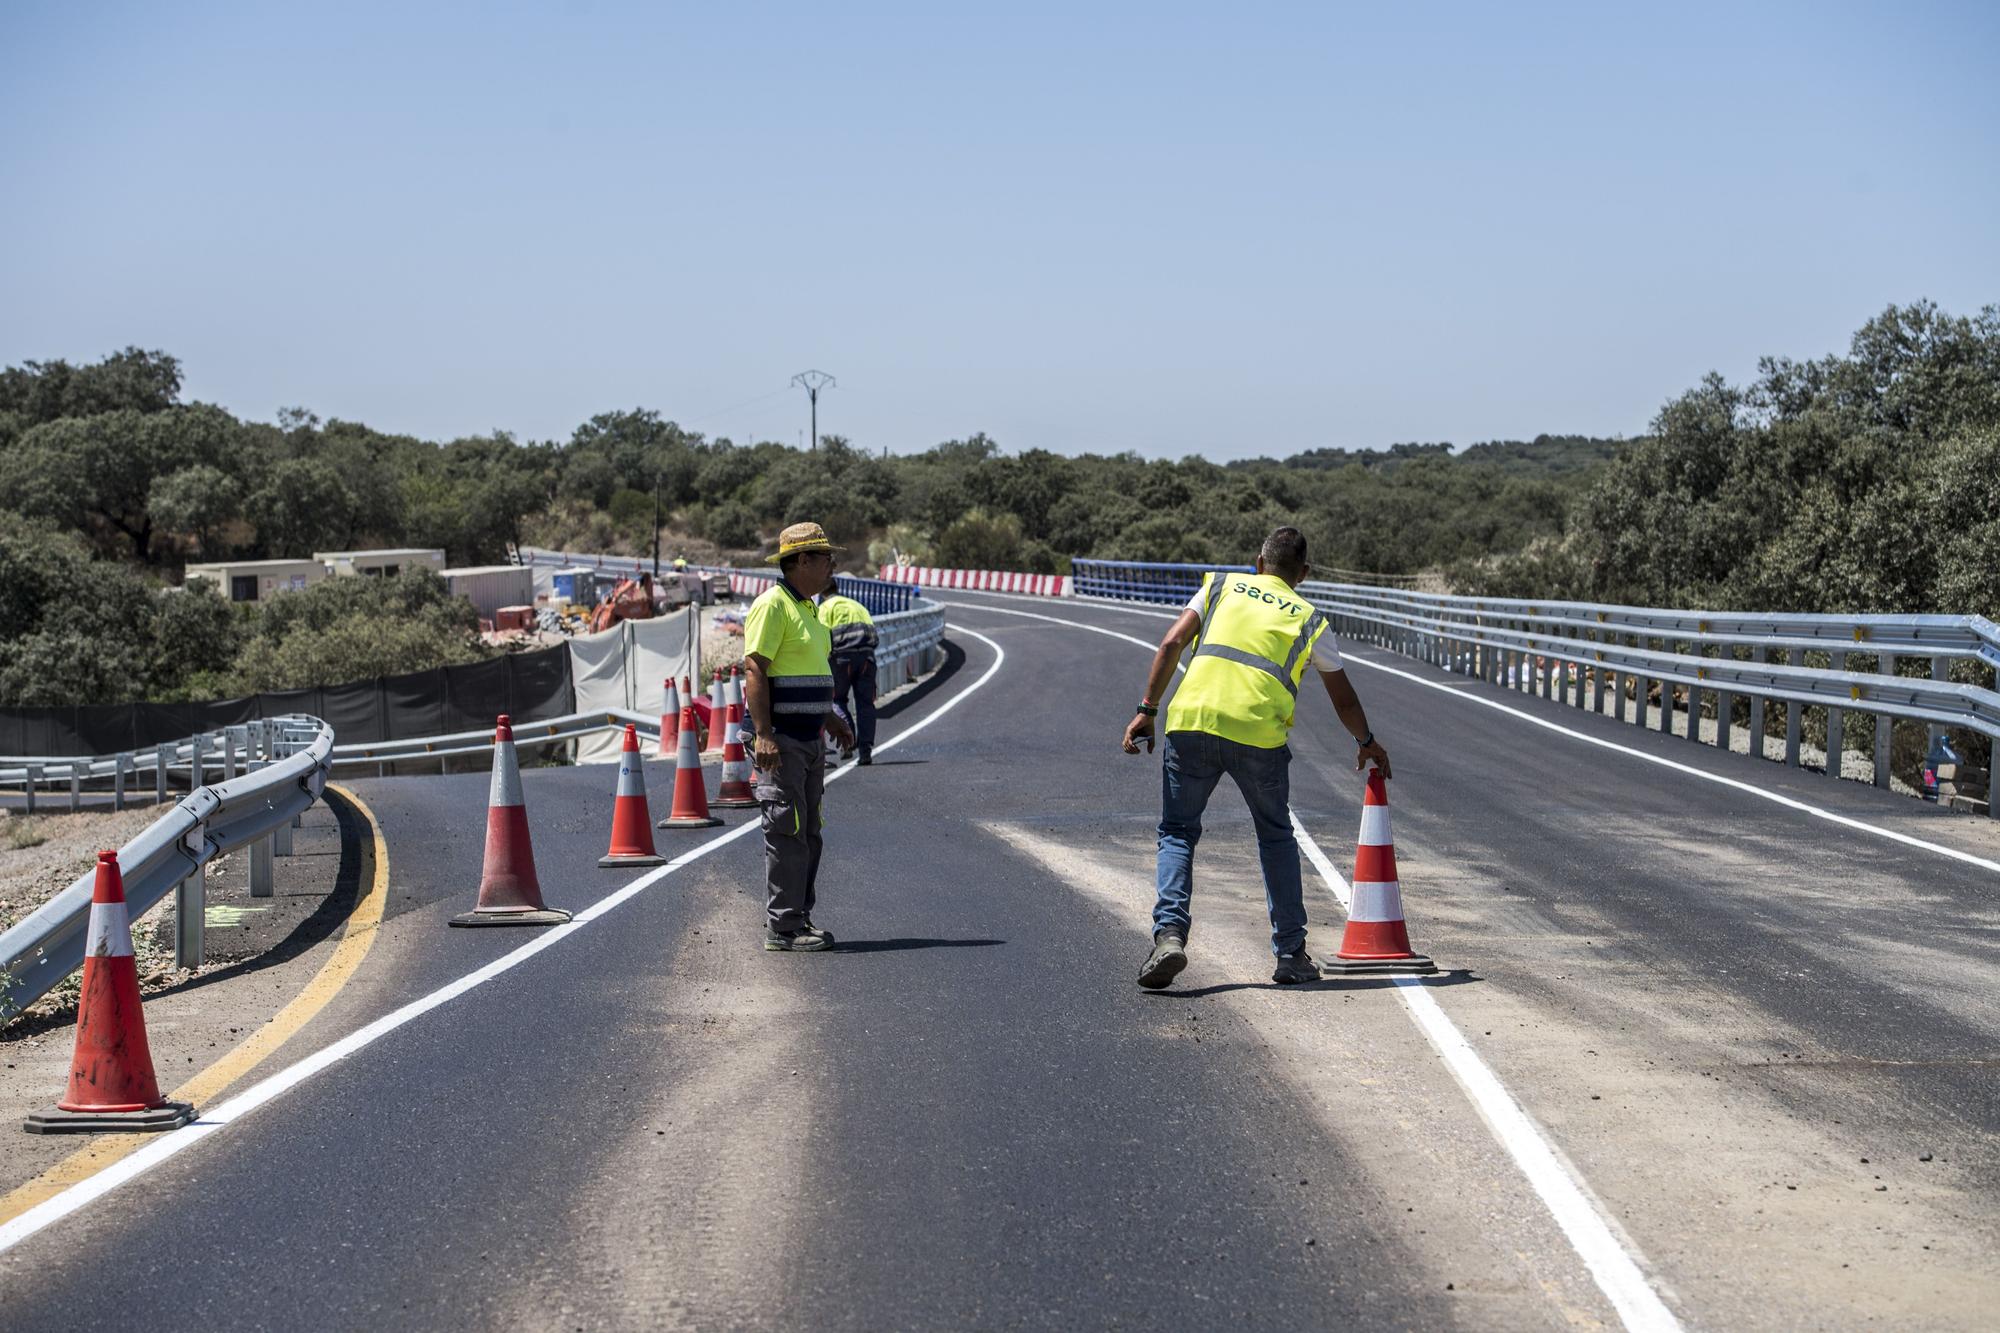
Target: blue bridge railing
(1142,581)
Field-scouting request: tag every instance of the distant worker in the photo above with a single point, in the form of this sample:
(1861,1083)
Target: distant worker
(1233,714)
(853,631)
(681,563)
(788,686)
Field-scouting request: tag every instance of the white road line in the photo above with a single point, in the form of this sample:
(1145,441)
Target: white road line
(220,1118)
(1747,788)
(1611,1257)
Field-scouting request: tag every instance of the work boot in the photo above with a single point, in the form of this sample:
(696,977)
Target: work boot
(1295,967)
(1169,956)
(803,940)
(867,755)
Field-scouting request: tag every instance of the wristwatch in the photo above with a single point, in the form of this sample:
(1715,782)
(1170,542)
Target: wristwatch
(1365,741)
(1150,710)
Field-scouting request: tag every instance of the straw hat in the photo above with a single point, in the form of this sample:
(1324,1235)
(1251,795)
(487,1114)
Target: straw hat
(801,538)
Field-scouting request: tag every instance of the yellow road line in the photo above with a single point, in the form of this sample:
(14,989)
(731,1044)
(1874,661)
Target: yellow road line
(354,944)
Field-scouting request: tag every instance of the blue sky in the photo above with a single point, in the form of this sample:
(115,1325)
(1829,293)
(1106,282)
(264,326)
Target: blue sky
(1225,230)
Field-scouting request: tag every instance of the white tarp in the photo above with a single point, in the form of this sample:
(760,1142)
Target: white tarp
(627,666)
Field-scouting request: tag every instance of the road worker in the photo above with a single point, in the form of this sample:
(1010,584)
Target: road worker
(681,563)
(1233,714)
(788,686)
(853,631)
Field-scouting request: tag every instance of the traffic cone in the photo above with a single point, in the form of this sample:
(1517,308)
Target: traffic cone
(1376,938)
(111,1082)
(736,790)
(631,818)
(690,791)
(718,712)
(688,696)
(509,893)
(670,723)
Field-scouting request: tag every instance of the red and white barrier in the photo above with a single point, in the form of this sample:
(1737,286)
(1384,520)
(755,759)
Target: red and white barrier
(980,580)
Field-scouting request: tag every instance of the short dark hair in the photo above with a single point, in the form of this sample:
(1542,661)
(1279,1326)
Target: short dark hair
(1285,553)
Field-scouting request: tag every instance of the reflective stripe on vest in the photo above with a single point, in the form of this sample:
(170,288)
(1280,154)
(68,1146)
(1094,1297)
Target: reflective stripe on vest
(1244,631)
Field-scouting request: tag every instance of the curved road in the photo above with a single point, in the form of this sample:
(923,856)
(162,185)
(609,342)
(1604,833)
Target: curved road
(1763,1047)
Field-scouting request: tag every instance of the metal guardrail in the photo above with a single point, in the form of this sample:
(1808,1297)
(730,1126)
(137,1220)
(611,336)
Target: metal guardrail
(1584,653)
(1141,581)
(228,751)
(256,809)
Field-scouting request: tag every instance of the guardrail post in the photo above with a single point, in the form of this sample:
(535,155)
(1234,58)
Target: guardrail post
(34,779)
(1836,723)
(1794,714)
(160,755)
(228,754)
(1941,670)
(1760,658)
(75,788)
(191,906)
(263,868)
(118,767)
(197,763)
(1885,728)
(1725,715)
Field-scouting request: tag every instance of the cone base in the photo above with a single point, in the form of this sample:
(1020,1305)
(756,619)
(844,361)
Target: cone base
(689,821)
(152,1120)
(733,803)
(545,916)
(1410,964)
(632,859)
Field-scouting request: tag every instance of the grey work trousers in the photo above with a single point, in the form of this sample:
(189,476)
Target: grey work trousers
(790,794)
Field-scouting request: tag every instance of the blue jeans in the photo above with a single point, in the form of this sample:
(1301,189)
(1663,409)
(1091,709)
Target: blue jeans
(1193,763)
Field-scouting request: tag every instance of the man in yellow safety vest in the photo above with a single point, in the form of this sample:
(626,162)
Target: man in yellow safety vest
(1233,714)
(788,688)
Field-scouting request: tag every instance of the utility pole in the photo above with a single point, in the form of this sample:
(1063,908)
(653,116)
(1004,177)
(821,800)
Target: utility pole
(656,528)
(812,381)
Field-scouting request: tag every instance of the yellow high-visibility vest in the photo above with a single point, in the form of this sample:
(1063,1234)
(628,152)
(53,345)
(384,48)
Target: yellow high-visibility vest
(1243,681)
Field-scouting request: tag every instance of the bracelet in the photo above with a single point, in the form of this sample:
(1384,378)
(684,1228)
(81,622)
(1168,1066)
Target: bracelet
(1149,710)
(1365,741)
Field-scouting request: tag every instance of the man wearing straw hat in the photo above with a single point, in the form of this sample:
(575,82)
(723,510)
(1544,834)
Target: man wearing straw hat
(788,688)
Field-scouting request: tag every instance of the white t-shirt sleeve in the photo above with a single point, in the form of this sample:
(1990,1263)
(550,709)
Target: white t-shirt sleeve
(1326,653)
(1194,603)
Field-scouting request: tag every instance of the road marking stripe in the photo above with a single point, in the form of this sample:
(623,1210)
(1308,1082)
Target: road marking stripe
(355,941)
(1610,1257)
(145,1154)
(1750,789)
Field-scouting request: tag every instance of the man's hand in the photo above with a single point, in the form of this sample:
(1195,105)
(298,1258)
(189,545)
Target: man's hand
(1141,729)
(842,734)
(764,751)
(1373,751)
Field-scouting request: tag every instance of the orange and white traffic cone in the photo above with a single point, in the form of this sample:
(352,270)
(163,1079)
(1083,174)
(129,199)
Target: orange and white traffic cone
(690,791)
(631,817)
(670,723)
(718,712)
(111,1082)
(1377,940)
(509,892)
(736,793)
(688,696)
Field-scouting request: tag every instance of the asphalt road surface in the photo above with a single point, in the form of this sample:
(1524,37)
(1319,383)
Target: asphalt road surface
(1758,1054)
